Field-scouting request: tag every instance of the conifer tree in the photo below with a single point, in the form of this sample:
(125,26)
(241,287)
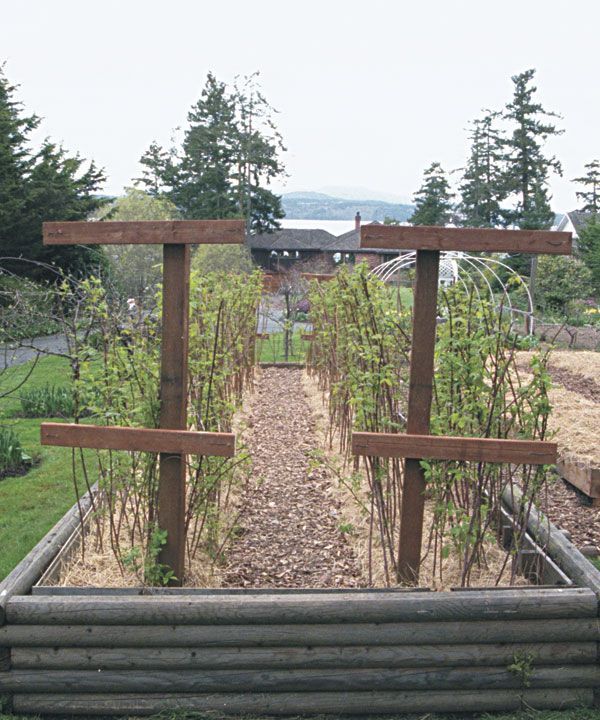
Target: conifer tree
(37,186)
(590,197)
(482,190)
(528,168)
(433,199)
(229,156)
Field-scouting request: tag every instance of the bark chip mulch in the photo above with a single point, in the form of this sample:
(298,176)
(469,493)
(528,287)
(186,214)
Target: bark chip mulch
(289,535)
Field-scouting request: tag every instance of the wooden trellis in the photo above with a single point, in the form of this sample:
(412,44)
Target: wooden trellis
(416,444)
(173,441)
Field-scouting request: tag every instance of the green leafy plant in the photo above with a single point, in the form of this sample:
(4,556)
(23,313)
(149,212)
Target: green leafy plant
(145,564)
(47,401)
(12,457)
(522,667)
(360,356)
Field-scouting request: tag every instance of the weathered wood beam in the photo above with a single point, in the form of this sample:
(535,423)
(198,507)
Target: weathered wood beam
(28,571)
(269,658)
(100,437)
(305,680)
(284,609)
(423,237)
(419,410)
(561,550)
(148,232)
(454,632)
(439,447)
(312,703)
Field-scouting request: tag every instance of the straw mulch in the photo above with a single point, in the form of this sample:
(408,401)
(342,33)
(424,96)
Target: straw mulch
(496,571)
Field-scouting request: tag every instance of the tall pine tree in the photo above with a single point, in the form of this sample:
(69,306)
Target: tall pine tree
(528,168)
(229,156)
(590,197)
(482,189)
(35,186)
(433,199)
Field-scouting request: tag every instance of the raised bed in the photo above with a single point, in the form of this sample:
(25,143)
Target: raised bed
(86,651)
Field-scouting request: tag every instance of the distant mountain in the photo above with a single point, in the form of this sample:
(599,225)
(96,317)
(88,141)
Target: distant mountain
(319,206)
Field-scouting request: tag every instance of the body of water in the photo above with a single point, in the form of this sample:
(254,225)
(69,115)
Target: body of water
(335,227)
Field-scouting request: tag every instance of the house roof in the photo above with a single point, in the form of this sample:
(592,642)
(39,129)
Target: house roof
(291,239)
(317,240)
(577,219)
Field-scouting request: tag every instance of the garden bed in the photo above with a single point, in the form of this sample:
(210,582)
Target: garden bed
(109,651)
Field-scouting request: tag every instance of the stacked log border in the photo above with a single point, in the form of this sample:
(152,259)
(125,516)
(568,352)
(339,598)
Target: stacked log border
(102,651)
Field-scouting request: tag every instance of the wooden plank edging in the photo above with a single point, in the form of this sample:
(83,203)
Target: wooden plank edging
(561,550)
(355,703)
(319,680)
(21,579)
(309,657)
(339,635)
(318,608)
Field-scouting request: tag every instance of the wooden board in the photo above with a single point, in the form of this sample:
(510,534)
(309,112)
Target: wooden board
(419,411)
(304,680)
(387,656)
(423,237)
(437,447)
(312,703)
(283,609)
(582,475)
(101,437)
(148,232)
(315,635)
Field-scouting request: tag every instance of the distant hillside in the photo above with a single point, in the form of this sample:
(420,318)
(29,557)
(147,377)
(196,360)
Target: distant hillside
(318,206)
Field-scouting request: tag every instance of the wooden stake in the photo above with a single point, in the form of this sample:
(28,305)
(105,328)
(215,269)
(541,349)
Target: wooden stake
(419,411)
(173,403)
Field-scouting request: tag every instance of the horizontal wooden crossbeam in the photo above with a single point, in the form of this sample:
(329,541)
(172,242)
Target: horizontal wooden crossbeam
(150,232)
(436,447)
(423,237)
(100,437)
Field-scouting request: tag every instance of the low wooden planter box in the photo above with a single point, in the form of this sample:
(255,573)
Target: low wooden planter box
(86,651)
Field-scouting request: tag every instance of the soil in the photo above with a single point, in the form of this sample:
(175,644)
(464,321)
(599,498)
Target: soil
(290,530)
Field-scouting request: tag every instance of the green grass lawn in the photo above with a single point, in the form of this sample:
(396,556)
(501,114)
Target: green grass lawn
(273,350)
(31,504)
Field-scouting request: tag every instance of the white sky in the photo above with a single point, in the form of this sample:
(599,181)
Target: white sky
(369,93)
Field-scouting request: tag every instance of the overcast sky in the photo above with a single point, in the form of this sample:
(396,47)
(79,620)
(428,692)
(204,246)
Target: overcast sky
(369,93)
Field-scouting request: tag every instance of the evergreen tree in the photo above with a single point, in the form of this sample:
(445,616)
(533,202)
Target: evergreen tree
(589,250)
(15,159)
(433,200)
(229,156)
(527,169)
(482,189)
(591,181)
(37,186)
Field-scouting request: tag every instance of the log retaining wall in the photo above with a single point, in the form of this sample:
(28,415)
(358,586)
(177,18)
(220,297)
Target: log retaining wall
(102,651)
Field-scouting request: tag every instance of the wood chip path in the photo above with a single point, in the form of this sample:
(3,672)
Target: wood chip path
(289,534)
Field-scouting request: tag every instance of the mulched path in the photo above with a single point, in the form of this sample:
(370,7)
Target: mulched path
(290,533)
(566,506)
(571,510)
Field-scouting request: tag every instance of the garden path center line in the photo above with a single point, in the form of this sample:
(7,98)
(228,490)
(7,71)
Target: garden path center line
(290,528)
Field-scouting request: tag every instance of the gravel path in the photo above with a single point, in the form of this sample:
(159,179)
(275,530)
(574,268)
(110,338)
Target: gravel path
(290,533)
(15,355)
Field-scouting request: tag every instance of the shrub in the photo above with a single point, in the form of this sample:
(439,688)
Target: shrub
(561,280)
(47,401)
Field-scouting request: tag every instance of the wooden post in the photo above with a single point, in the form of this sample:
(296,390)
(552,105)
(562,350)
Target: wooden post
(419,411)
(173,403)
